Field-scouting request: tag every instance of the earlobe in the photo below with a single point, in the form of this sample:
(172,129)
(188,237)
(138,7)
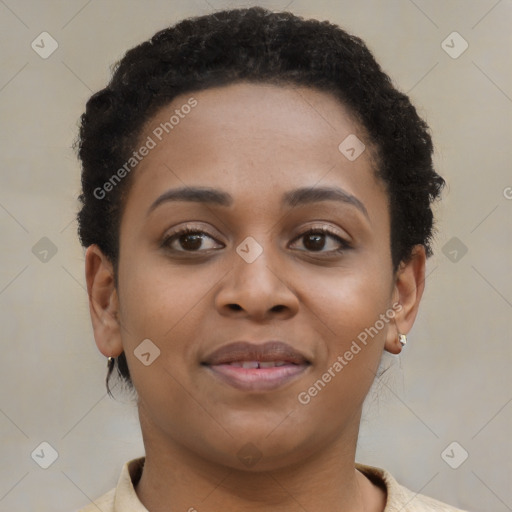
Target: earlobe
(103,302)
(408,290)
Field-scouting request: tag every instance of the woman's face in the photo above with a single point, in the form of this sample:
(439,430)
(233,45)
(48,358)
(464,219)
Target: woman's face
(257,269)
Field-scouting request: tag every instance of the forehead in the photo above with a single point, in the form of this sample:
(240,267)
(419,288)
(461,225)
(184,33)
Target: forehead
(253,138)
(226,113)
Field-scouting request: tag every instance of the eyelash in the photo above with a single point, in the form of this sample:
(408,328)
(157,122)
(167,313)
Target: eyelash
(166,242)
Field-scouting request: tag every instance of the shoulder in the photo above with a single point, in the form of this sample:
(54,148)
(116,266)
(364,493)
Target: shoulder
(105,503)
(122,497)
(399,498)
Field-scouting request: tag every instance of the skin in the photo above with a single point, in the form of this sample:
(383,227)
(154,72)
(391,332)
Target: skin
(255,142)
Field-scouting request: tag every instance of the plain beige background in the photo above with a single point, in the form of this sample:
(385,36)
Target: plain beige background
(452,383)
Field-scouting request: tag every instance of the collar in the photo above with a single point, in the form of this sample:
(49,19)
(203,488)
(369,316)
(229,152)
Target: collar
(399,498)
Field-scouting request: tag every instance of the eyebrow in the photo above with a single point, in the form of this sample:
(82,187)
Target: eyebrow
(293,198)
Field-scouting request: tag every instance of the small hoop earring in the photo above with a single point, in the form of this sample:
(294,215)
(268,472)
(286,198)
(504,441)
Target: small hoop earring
(110,362)
(402,338)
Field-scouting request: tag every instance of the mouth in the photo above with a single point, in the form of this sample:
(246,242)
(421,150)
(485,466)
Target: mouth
(256,367)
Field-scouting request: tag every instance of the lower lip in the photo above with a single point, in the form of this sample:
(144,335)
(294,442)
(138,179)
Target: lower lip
(258,379)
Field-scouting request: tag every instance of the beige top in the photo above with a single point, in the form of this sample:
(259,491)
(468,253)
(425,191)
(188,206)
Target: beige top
(123,498)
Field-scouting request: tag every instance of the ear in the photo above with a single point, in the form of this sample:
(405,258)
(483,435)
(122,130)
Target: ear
(407,291)
(103,302)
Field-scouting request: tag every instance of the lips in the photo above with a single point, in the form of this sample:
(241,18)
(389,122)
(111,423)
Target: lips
(256,367)
(242,351)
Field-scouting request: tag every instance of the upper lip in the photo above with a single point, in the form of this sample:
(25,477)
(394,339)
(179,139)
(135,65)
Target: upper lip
(245,351)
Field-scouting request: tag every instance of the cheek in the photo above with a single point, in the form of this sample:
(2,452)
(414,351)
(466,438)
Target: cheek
(156,306)
(164,305)
(351,314)
(157,299)
(347,299)
(167,306)
(348,365)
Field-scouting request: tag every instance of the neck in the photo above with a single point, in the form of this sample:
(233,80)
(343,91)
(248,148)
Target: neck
(176,478)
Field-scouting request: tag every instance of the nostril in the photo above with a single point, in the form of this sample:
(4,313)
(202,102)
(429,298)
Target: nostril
(237,307)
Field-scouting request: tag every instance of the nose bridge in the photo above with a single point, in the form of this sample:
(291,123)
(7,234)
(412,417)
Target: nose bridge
(256,261)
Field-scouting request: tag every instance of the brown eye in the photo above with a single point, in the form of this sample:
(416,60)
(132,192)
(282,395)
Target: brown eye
(315,240)
(189,240)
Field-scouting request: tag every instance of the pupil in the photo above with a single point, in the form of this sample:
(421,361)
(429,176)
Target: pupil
(317,239)
(196,240)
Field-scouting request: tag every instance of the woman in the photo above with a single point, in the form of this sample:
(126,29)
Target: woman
(256,208)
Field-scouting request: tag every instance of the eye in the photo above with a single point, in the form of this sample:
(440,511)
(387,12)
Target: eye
(317,239)
(189,239)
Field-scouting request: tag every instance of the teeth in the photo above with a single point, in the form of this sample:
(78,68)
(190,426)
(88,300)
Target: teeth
(258,364)
(250,364)
(267,364)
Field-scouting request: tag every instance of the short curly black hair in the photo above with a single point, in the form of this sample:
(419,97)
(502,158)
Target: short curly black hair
(255,45)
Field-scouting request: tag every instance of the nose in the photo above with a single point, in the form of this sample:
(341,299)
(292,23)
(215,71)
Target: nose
(258,290)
